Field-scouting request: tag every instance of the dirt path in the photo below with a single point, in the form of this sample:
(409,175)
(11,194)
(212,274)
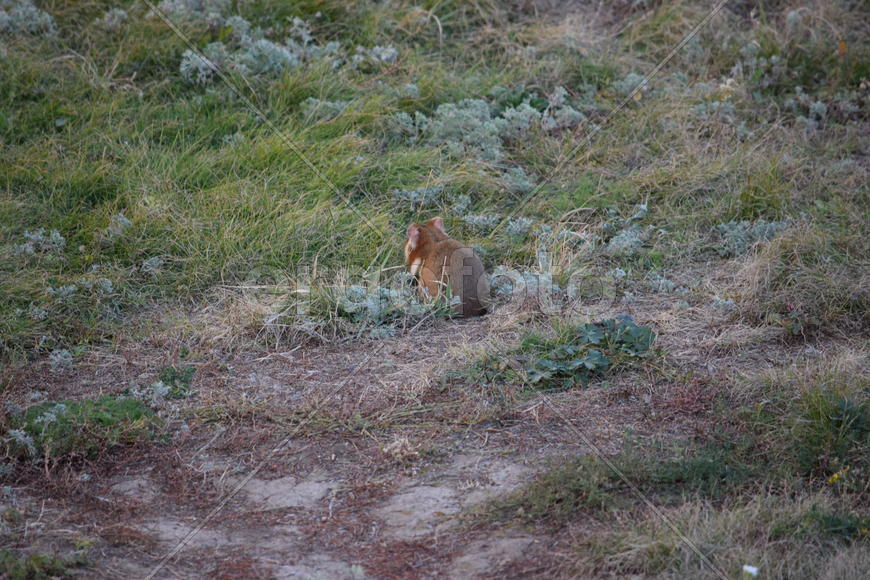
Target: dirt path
(384,460)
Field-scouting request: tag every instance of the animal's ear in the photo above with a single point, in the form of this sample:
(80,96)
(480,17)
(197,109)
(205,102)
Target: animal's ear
(438,224)
(413,236)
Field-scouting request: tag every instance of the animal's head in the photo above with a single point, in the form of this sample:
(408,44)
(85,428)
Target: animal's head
(421,236)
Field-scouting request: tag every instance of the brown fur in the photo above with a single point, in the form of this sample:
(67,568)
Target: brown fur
(438,260)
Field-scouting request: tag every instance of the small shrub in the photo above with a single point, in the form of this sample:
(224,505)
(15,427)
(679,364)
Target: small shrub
(177,380)
(344,310)
(18,17)
(474,127)
(79,428)
(112,20)
(37,566)
(40,242)
(736,238)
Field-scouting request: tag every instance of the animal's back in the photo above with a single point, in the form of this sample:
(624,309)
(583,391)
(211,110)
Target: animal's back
(466,277)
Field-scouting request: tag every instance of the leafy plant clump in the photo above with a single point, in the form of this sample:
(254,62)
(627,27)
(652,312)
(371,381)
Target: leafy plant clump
(575,356)
(374,311)
(37,566)
(249,52)
(738,237)
(177,380)
(19,17)
(475,127)
(79,428)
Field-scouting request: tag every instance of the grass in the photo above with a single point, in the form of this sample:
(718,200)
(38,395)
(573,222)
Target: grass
(780,536)
(128,191)
(53,431)
(810,280)
(37,566)
(129,136)
(785,479)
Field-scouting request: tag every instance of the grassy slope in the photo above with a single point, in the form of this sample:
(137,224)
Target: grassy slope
(96,123)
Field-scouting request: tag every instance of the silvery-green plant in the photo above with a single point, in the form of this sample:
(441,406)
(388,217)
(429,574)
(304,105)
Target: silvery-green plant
(154,394)
(481,222)
(263,57)
(322,110)
(376,309)
(560,114)
(562,118)
(112,20)
(628,83)
(233,139)
(737,237)
(117,225)
(626,241)
(248,51)
(102,286)
(518,120)
(462,204)
(41,242)
(51,415)
(467,127)
(640,212)
(426,195)
(722,111)
(37,313)
(661,284)
(22,439)
(519,226)
(792,21)
(210,11)
(152,265)
(19,17)
(518,181)
(63,293)
(409,91)
(242,30)
(723,305)
(60,359)
(373,57)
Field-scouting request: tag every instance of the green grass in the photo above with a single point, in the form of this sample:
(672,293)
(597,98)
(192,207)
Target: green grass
(117,130)
(37,566)
(172,196)
(63,430)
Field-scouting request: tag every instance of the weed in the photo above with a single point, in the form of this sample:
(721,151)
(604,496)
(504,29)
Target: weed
(38,566)
(79,428)
(738,237)
(815,420)
(579,353)
(177,380)
(19,17)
